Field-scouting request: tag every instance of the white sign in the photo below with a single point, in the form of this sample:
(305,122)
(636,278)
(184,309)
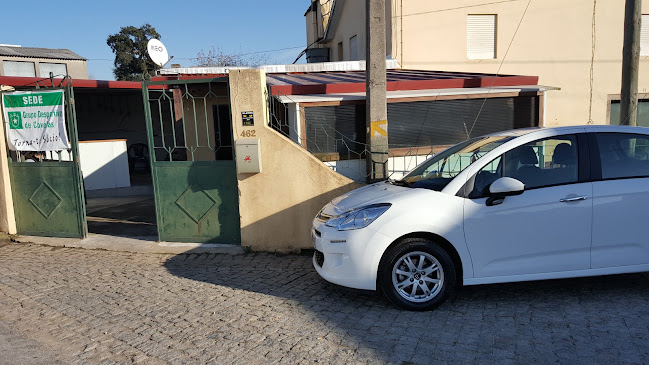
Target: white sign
(157,52)
(35,120)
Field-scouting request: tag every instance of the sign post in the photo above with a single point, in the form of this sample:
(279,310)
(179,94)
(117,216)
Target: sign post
(35,120)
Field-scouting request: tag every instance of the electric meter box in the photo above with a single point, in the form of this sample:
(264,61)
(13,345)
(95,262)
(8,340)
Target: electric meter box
(248,152)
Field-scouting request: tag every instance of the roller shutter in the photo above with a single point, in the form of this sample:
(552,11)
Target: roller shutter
(444,122)
(341,129)
(644,36)
(481,37)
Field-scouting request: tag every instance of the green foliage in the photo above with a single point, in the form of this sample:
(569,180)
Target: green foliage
(132,62)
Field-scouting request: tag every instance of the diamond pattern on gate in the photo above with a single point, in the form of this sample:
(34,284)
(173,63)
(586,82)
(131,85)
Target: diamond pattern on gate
(192,201)
(45,199)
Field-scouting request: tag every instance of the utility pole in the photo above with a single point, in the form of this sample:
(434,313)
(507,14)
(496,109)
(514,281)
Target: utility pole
(630,62)
(376,121)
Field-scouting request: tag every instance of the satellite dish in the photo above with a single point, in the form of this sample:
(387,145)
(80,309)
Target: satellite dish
(158,52)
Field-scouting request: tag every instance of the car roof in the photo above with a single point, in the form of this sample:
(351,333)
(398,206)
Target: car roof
(573,128)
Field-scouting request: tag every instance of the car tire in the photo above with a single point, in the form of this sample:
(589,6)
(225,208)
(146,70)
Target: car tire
(417,274)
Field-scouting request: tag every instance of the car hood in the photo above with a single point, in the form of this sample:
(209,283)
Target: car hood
(381,192)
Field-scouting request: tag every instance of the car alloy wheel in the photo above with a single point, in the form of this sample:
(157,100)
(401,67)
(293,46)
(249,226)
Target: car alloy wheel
(417,276)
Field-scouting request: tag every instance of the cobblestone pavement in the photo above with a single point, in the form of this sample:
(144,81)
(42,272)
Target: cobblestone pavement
(93,307)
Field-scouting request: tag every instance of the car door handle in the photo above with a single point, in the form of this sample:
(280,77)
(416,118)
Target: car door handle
(574,199)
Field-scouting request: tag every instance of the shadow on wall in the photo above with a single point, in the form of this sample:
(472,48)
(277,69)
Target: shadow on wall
(106,172)
(523,320)
(293,224)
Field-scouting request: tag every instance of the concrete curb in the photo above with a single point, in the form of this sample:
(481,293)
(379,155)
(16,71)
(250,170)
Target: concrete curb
(141,245)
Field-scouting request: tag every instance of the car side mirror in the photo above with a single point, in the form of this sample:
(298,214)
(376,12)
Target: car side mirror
(503,187)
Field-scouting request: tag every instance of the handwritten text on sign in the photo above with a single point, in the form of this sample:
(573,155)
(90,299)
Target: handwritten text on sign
(35,120)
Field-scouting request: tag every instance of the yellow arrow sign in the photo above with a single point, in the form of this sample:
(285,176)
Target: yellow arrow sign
(376,128)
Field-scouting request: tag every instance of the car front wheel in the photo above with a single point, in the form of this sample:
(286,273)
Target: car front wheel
(417,275)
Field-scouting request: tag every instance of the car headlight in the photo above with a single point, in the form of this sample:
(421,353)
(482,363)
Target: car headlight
(357,218)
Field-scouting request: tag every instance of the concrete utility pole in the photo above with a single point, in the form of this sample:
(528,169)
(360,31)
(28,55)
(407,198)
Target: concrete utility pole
(376,108)
(630,62)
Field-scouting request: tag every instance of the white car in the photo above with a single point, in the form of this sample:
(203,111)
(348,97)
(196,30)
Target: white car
(527,204)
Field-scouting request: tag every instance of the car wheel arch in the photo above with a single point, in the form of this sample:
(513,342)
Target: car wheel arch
(441,241)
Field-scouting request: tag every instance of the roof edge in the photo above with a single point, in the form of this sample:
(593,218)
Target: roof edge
(390,64)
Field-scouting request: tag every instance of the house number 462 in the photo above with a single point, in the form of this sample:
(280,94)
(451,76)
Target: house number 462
(248,133)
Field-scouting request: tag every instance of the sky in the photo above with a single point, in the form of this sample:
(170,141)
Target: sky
(186,27)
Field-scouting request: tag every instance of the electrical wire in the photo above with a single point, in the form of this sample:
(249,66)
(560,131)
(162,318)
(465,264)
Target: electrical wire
(499,67)
(457,8)
(193,58)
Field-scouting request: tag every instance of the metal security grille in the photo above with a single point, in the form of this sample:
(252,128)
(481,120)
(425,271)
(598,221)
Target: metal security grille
(48,193)
(189,133)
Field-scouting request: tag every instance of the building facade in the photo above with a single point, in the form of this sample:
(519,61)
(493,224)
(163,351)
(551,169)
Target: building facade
(40,62)
(574,45)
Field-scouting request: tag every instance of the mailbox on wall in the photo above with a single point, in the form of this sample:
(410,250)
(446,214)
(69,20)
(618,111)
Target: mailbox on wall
(248,154)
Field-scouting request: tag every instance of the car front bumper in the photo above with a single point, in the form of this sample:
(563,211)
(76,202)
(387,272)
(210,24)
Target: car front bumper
(348,258)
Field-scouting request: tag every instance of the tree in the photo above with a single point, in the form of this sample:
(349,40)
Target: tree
(132,61)
(215,57)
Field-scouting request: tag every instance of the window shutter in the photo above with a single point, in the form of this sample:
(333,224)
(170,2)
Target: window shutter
(441,122)
(644,36)
(481,37)
(336,129)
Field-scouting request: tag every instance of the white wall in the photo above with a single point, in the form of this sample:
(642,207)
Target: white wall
(397,167)
(104,164)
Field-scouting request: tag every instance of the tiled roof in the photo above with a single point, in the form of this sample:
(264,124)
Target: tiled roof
(31,52)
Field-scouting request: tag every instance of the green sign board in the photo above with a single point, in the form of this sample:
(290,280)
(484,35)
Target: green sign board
(35,120)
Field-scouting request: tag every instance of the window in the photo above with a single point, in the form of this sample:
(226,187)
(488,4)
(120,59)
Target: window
(546,162)
(57,69)
(644,35)
(335,130)
(623,155)
(353,49)
(481,37)
(642,113)
(24,69)
(340,51)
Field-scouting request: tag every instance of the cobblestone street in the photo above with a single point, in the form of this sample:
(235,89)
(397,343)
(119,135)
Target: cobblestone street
(91,306)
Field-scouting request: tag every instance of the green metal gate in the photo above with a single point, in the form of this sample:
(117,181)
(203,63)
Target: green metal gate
(48,194)
(189,133)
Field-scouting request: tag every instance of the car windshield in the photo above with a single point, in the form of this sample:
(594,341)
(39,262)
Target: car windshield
(439,170)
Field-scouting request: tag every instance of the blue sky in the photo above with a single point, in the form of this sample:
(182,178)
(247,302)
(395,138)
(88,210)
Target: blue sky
(186,27)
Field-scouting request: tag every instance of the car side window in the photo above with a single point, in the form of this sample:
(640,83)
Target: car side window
(623,155)
(485,177)
(545,162)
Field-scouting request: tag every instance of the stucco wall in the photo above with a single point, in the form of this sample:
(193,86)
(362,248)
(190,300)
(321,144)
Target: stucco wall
(77,69)
(553,42)
(349,25)
(277,205)
(7,218)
